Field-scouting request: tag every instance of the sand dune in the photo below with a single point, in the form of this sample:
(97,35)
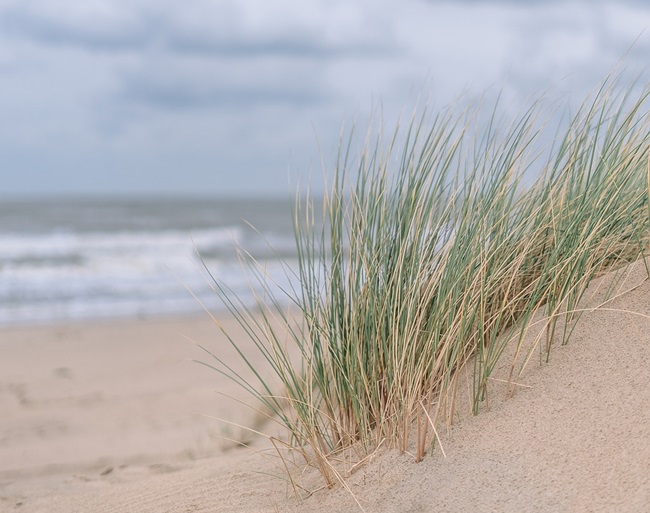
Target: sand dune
(105,417)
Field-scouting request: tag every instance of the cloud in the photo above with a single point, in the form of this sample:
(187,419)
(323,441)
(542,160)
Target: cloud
(244,84)
(579,39)
(173,92)
(317,29)
(177,82)
(210,54)
(238,28)
(92,25)
(530,3)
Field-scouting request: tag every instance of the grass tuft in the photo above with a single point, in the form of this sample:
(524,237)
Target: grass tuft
(429,247)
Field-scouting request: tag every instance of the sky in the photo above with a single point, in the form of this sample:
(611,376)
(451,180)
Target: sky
(238,97)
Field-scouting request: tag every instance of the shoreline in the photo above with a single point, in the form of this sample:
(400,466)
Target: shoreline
(48,324)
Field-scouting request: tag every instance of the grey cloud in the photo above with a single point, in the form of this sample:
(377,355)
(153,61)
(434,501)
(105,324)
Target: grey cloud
(524,3)
(176,84)
(58,31)
(291,46)
(146,27)
(483,3)
(183,96)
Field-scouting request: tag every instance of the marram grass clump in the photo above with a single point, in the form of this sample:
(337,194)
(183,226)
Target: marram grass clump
(433,244)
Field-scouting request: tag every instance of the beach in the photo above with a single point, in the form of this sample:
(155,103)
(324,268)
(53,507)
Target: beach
(102,416)
(314,258)
(93,407)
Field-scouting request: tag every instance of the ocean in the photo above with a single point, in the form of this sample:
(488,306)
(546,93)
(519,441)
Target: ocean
(67,260)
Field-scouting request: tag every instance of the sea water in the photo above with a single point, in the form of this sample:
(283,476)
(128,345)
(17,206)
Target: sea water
(72,259)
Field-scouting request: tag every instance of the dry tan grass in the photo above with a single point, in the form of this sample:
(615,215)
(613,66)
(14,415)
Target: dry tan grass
(433,249)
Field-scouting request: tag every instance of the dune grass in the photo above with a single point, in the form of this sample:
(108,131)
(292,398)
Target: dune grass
(434,242)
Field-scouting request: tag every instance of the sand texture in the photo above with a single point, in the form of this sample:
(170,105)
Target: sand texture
(111,417)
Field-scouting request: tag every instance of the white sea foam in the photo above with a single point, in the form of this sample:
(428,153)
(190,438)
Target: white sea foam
(65,274)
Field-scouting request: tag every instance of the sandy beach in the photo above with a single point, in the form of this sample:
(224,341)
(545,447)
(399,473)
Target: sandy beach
(112,416)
